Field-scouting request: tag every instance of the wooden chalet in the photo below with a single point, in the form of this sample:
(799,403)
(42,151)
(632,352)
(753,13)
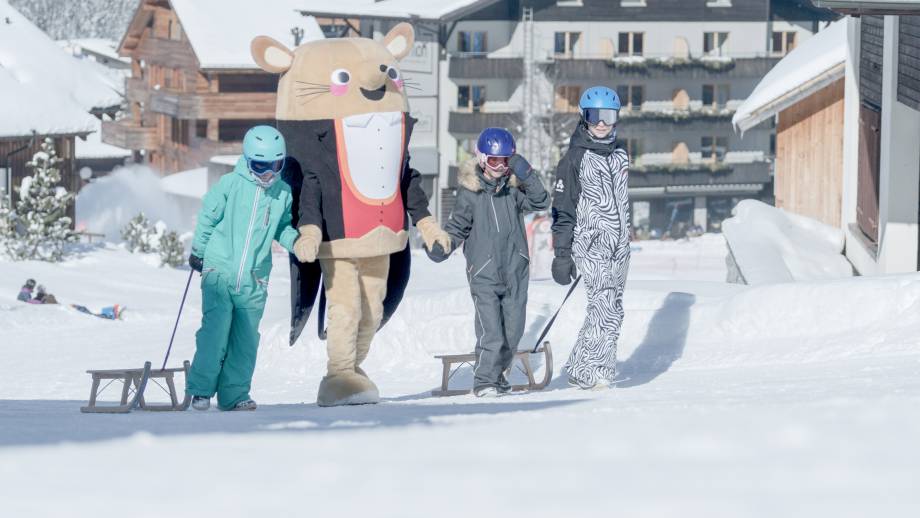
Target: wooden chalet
(194,89)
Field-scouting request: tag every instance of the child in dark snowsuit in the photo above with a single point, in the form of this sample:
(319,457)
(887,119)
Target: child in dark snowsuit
(591,230)
(495,193)
(25,293)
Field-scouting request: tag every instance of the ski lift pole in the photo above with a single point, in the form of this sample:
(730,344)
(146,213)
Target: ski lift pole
(181,305)
(552,320)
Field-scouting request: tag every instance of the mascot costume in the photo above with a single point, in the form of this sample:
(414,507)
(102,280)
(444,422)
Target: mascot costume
(343,110)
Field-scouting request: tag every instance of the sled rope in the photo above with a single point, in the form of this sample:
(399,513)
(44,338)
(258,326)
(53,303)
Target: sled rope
(181,305)
(549,325)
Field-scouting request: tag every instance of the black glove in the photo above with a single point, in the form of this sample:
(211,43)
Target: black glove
(436,253)
(195,262)
(520,167)
(564,270)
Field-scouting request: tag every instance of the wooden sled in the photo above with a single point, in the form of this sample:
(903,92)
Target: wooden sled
(136,380)
(448,371)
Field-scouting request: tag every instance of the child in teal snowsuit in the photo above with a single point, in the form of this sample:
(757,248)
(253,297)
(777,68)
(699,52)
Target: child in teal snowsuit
(240,217)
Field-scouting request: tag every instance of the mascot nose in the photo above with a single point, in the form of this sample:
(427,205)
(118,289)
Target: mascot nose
(372,78)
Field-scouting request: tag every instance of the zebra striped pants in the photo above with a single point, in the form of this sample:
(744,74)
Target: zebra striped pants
(595,353)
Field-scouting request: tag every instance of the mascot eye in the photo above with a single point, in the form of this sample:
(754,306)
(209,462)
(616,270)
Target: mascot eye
(393,74)
(340,77)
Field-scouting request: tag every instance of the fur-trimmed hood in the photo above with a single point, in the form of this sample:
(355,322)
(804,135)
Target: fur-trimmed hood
(469,176)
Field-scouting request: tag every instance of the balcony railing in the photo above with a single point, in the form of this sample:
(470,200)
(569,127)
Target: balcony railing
(214,105)
(474,122)
(466,66)
(125,134)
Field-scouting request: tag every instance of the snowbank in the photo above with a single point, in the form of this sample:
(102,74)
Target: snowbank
(770,245)
(108,203)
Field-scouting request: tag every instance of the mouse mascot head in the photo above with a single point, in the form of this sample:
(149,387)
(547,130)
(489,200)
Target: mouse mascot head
(343,110)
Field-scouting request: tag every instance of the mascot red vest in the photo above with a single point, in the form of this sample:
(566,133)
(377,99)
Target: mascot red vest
(343,110)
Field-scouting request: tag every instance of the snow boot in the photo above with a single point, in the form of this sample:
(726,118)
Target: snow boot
(487,391)
(201,403)
(600,384)
(246,404)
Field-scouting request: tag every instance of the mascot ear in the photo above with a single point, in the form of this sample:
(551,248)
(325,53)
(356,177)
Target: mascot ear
(399,40)
(270,55)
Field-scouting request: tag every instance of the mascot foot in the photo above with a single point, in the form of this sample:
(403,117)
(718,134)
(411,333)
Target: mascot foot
(345,388)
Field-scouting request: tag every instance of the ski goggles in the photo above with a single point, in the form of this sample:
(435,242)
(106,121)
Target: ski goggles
(497,163)
(263,167)
(595,116)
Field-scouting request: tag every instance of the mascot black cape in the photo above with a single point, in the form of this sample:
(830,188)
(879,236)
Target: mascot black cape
(343,110)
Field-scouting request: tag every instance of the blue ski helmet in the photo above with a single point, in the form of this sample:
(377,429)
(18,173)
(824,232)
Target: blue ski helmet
(599,97)
(495,142)
(265,151)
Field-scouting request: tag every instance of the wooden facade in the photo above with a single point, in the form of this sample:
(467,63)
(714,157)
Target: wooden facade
(180,115)
(809,156)
(16,152)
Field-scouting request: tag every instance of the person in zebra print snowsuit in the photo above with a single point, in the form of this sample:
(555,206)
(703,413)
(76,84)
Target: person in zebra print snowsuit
(591,234)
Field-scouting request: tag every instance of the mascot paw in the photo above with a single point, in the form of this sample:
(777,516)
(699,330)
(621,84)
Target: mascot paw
(432,233)
(307,245)
(346,388)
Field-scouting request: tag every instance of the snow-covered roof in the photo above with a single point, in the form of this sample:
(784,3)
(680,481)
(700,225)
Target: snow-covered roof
(36,61)
(811,66)
(229,160)
(100,46)
(440,10)
(192,183)
(25,110)
(221,31)
(93,147)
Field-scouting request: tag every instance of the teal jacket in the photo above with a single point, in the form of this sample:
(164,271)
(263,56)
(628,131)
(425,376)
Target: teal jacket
(238,221)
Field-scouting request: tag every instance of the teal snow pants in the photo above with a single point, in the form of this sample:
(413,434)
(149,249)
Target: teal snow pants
(226,344)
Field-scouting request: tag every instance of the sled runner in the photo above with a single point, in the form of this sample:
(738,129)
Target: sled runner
(521,357)
(134,384)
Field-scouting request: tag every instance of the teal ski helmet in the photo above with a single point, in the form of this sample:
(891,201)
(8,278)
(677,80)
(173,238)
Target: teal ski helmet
(265,153)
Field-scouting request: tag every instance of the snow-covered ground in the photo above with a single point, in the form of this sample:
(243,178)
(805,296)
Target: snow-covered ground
(781,400)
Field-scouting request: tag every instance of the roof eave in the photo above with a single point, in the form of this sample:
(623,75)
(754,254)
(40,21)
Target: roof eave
(790,98)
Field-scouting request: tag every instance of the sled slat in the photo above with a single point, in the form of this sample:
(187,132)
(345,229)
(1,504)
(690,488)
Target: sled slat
(448,360)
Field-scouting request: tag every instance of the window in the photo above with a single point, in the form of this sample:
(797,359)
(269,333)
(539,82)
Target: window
(179,131)
(634,150)
(247,83)
(783,42)
(630,43)
(567,98)
(632,3)
(471,98)
(570,3)
(715,43)
(566,43)
(473,42)
(715,96)
(229,130)
(718,3)
(466,149)
(631,96)
(713,149)
(201,129)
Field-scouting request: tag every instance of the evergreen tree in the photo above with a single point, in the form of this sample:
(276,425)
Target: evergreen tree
(40,228)
(172,252)
(137,234)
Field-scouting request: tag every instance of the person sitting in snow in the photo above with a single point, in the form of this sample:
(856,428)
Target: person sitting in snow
(591,230)
(497,188)
(43,297)
(240,217)
(25,293)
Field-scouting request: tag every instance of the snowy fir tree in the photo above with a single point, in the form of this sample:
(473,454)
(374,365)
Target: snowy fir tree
(137,235)
(172,252)
(6,221)
(40,228)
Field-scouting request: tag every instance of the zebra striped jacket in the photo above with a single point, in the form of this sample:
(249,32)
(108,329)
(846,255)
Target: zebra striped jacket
(610,210)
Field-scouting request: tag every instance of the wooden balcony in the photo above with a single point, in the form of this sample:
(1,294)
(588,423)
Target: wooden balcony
(126,135)
(213,105)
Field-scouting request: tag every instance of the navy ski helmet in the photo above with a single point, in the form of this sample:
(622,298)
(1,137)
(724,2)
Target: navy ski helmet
(495,142)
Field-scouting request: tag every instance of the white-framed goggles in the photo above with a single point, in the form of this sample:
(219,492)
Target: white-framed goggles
(595,116)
